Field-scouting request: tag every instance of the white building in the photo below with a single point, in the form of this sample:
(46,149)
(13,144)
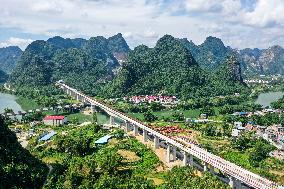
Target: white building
(54,120)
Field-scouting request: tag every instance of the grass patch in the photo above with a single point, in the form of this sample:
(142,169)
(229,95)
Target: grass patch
(27,104)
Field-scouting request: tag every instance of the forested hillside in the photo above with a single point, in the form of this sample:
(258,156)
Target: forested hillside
(169,68)
(3,76)
(91,65)
(18,168)
(8,58)
(210,54)
(85,64)
(266,61)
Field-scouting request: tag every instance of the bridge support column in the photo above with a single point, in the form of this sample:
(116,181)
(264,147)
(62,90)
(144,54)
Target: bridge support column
(231,182)
(77,97)
(205,167)
(184,161)
(235,183)
(144,135)
(93,108)
(156,142)
(127,126)
(174,152)
(191,160)
(168,155)
(135,130)
(111,120)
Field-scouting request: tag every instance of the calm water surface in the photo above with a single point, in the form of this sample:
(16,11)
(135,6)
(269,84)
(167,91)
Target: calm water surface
(265,99)
(9,101)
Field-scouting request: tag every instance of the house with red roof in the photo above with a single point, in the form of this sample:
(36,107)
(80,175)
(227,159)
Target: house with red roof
(54,120)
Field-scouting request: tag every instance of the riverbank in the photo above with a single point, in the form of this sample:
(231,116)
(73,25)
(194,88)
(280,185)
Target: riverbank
(8,101)
(27,104)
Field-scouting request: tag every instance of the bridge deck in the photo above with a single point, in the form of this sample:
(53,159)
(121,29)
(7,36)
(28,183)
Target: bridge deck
(245,176)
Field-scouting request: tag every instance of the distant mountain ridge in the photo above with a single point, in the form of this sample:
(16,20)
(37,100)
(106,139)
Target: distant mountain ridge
(170,69)
(266,61)
(212,52)
(84,63)
(8,58)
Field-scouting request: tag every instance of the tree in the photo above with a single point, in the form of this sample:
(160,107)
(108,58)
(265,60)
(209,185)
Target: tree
(108,160)
(178,116)
(208,111)
(149,116)
(242,143)
(260,152)
(75,120)
(94,118)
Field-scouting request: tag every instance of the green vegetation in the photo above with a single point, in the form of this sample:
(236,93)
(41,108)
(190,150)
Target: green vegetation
(3,76)
(210,54)
(278,104)
(84,64)
(18,168)
(185,177)
(8,58)
(248,152)
(78,162)
(88,65)
(150,71)
(122,163)
(27,104)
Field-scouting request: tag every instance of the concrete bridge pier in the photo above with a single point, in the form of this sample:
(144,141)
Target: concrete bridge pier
(174,153)
(156,142)
(135,130)
(144,135)
(235,183)
(111,120)
(191,160)
(205,167)
(77,97)
(184,161)
(93,108)
(127,126)
(168,155)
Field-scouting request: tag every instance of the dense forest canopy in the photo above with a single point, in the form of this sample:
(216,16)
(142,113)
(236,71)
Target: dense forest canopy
(107,67)
(83,63)
(170,69)
(8,58)
(3,76)
(18,168)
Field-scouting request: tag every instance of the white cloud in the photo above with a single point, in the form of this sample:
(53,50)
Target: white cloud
(203,5)
(13,41)
(142,21)
(266,14)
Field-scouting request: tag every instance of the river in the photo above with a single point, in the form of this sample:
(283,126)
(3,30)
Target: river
(265,99)
(9,101)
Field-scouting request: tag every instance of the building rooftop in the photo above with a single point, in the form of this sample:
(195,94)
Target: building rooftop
(103,140)
(54,117)
(47,136)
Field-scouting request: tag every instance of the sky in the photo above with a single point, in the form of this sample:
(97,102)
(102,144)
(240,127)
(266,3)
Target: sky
(239,23)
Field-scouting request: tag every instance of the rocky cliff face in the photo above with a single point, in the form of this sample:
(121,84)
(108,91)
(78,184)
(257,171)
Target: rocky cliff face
(267,61)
